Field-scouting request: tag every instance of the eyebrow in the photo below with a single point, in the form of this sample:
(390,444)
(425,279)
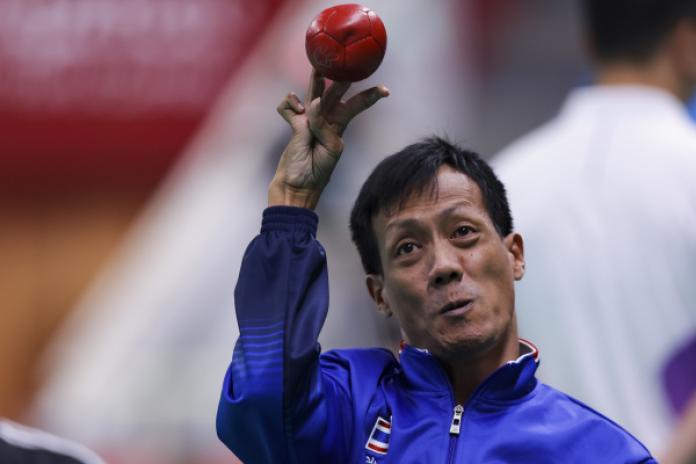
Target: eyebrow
(403,224)
(408,223)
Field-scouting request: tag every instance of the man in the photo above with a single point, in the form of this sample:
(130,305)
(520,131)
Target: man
(605,195)
(435,235)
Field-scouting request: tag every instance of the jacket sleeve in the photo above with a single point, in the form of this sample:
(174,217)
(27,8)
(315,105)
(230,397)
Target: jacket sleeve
(277,404)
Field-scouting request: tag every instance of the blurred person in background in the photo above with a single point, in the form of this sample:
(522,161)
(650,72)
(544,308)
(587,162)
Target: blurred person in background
(434,232)
(605,196)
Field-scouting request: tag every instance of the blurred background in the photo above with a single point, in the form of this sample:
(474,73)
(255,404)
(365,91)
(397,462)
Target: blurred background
(137,139)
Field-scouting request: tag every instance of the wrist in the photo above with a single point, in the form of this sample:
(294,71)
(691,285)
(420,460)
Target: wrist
(282,194)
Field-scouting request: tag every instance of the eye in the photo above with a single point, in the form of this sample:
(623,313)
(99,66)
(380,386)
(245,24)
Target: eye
(462,231)
(405,249)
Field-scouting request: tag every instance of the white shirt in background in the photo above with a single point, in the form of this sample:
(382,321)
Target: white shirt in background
(604,196)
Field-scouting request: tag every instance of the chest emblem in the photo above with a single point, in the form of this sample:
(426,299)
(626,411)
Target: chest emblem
(378,442)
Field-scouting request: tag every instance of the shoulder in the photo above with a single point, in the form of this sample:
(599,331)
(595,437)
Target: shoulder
(534,146)
(672,139)
(359,368)
(373,361)
(587,428)
(359,373)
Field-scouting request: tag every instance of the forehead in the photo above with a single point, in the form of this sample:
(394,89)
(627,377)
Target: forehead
(452,189)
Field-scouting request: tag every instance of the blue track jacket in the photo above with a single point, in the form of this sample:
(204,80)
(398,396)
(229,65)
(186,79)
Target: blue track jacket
(284,402)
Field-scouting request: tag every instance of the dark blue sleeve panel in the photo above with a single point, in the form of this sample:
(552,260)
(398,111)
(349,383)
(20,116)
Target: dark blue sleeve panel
(274,392)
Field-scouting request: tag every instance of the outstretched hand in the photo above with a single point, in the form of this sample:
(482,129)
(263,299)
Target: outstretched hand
(316,145)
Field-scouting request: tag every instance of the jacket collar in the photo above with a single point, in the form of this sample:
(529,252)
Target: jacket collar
(510,381)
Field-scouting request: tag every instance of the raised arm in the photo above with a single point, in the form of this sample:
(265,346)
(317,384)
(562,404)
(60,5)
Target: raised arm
(276,402)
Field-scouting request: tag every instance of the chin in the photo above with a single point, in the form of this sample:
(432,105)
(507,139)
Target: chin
(478,337)
(469,347)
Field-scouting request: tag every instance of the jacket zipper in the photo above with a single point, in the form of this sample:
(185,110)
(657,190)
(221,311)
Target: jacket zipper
(456,420)
(455,427)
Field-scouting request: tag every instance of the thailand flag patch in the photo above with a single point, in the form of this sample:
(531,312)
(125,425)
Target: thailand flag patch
(379,438)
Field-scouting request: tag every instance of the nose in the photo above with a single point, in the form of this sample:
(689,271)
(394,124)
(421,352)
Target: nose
(446,266)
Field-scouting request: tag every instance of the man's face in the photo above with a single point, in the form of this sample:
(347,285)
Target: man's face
(448,276)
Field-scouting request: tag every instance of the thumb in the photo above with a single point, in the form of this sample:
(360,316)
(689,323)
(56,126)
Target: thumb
(289,107)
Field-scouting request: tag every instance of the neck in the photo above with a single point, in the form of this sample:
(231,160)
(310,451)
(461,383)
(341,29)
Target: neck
(657,73)
(466,374)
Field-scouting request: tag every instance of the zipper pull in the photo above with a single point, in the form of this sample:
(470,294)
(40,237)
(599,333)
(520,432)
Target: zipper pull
(456,420)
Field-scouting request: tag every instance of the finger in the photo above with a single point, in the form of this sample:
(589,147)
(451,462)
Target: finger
(333,95)
(295,103)
(315,88)
(323,131)
(289,107)
(365,99)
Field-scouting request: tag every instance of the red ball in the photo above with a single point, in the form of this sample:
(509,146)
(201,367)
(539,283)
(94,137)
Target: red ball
(346,42)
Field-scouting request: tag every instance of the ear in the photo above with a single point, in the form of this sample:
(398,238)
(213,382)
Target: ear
(684,48)
(515,246)
(375,287)
(587,45)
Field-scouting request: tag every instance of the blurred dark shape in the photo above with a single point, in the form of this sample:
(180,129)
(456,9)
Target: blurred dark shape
(23,445)
(631,29)
(679,376)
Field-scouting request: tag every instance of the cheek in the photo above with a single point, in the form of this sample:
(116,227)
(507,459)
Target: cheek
(405,293)
(493,271)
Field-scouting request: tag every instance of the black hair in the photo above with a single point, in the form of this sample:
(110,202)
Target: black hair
(413,170)
(632,30)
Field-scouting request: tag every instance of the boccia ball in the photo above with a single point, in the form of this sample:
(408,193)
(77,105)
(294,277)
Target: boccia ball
(346,42)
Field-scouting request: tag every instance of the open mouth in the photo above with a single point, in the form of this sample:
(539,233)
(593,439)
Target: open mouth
(456,307)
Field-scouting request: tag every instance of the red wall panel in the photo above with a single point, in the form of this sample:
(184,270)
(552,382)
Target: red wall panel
(105,93)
